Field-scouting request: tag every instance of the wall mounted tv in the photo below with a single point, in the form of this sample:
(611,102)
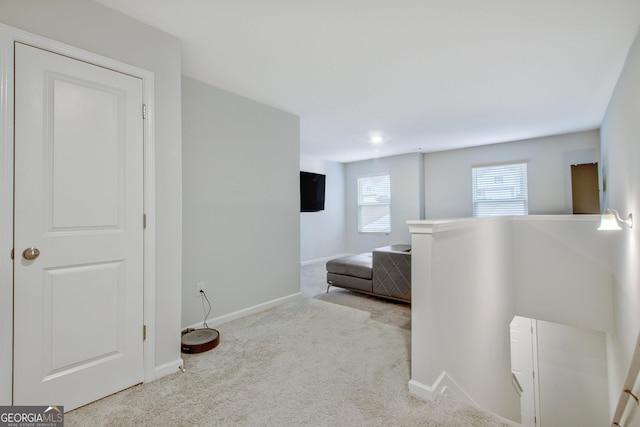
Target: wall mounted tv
(311,192)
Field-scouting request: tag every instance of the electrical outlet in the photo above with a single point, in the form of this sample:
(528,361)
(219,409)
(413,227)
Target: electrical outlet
(200,287)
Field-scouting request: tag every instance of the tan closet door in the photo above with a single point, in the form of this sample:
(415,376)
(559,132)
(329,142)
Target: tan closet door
(584,188)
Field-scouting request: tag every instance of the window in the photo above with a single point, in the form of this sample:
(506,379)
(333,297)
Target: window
(500,190)
(374,204)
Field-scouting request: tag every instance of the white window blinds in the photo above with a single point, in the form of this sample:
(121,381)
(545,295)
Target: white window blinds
(500,190)
(374,204)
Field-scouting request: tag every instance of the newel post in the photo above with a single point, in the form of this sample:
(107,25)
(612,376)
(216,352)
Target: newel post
(421,307)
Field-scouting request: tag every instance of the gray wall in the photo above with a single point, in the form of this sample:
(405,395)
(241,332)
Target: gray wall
(448,173)
(100,30)
(323,234)
(241,226)
(407,182)
(444,188)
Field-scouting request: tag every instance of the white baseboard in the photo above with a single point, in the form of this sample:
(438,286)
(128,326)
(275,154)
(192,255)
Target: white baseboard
(325,259)
(168,368)
(216,321)
(421,390)
(443,383)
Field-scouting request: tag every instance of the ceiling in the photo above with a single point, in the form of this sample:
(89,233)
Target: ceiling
(426,75)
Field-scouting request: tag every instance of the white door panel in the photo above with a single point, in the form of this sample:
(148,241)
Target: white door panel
(100,202)
(522,366)
(79,200)
(83,286)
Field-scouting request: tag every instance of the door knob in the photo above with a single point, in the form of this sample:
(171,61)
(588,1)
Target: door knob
(30,254)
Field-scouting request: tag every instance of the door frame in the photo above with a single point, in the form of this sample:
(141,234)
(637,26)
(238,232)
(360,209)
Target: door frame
(8,36)
(531,334)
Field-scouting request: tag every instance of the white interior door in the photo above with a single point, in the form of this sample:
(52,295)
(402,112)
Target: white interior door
(522,366)
(78,314)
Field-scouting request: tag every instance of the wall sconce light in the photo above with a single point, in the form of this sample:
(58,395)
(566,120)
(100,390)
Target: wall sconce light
(610,220)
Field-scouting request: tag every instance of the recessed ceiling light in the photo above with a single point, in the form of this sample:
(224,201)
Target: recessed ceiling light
(376,138)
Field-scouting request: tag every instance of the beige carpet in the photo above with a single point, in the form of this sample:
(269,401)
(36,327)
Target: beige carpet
(318,361)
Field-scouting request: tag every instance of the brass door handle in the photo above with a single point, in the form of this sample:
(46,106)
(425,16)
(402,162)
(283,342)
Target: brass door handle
(30,254)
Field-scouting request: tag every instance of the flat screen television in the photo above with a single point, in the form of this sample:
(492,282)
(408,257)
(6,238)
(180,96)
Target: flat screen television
(311,192)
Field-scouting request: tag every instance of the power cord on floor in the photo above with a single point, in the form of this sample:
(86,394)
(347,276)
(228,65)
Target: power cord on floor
(206,316)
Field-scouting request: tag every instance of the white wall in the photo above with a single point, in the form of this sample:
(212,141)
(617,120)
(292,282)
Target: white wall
(448,173)
(621,157)
(462,304)
(241,208)
(323,234)
(562,270)
(406,172)
(471,276)
(572,376)
(89,26)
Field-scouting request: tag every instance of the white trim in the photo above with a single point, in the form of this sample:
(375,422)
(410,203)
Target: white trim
(8,36)
(536,367)
(443,383)
(148,93)
(503,163)
(559,218)
(217,321)
(6,215)
(421,390)
(168,368)
(441,225)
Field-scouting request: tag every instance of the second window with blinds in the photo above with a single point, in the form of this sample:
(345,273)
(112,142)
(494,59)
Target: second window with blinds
(374,203)
(500,189)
